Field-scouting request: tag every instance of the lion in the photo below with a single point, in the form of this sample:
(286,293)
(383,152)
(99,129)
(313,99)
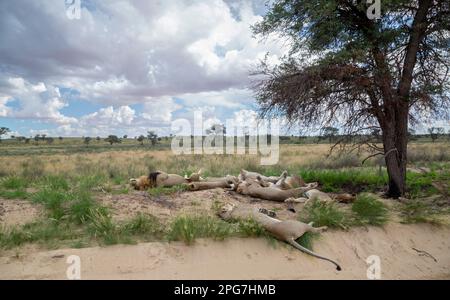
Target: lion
(254,189)
(288,231)
(211,183)
(253,175)
(284,182)
(162,179)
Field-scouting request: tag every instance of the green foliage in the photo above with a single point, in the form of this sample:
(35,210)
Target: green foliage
(113,139)
(14,183)
(250,228)
(306,240)
(335,180)
(44,232)
(325,214)
(418,211)
(14,194)
(55,182)
(53,200)
(369,210)
(189,228)
(144,224)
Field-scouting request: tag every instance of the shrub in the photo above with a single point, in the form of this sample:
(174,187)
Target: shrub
(14,183)
(324,214)
(188,228)
(369,210)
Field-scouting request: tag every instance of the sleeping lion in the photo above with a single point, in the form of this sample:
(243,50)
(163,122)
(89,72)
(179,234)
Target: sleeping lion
(162,179)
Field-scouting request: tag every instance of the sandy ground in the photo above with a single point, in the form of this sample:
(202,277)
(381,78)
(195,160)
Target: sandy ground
(18,212)
(233,258)
(252,258)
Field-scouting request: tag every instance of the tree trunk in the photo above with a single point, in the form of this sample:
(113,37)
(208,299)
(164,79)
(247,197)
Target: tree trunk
(395,142)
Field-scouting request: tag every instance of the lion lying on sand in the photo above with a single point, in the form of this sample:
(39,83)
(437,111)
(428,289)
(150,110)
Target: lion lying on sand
(162,179)
(288,231)
(290,189)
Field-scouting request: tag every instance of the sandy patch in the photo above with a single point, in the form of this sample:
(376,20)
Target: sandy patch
(252,258)
(18,212)
(166,207)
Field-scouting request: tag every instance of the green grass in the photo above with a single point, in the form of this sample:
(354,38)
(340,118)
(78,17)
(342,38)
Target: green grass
(144,225)
(306,240)
(369,211)
(14,183)
(347,179)
(188,228)
(17,194)
(45,232)
(101,226)
(55,182)
(417,211)
(81,206)
(325,214)
(160,191)
(54,201)
(250,228)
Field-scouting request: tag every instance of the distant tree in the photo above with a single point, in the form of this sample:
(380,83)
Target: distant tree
(152,137)
(98,139)
(125,137)
(435,132)
(87,140)
(329,133)
(27,140)
(60,138)
(20,138)
(43,136)
(111,139)
(141,139)
(411,135)
(37,137)
(50,140)
(3,131)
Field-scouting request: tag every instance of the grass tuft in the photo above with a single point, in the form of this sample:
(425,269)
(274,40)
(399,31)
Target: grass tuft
(14,183)
(188,228)
(416,211)
(325,214)
(369,211)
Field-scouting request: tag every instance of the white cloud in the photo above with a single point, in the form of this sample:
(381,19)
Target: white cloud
(37,101)
(159,110)
(109,116)
(4,110)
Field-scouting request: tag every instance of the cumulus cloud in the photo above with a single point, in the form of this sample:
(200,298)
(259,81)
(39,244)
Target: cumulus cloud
(38,101)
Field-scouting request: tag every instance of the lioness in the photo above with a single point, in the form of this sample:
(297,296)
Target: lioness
(288,231)
(254,189)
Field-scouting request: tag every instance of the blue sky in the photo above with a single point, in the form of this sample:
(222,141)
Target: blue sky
(126,67)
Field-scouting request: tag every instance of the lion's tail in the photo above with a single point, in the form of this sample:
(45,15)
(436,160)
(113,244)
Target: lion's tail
(307,251)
